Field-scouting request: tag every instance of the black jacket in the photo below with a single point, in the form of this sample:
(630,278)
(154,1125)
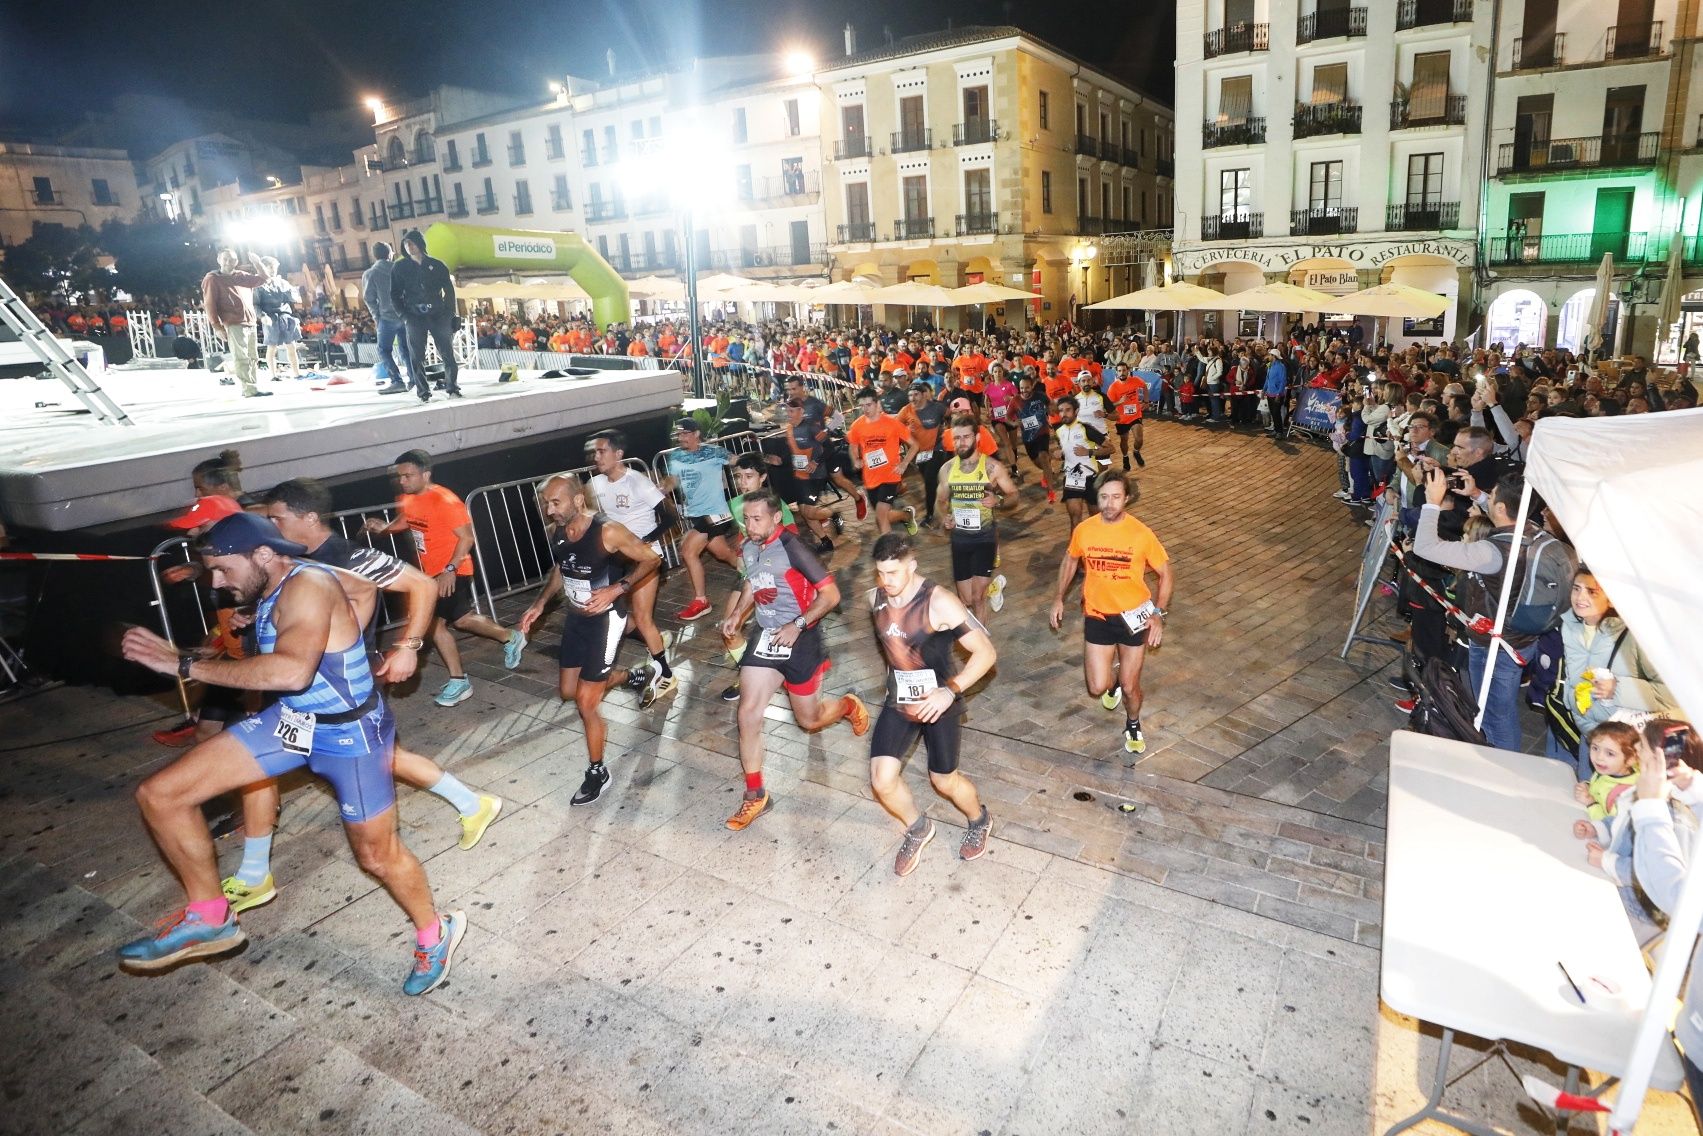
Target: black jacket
(422,289)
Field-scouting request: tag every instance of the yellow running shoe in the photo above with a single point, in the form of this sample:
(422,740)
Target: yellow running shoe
(473,827)
(244,896)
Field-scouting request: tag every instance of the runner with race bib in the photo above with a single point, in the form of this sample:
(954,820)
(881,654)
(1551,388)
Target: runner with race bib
(1080,449)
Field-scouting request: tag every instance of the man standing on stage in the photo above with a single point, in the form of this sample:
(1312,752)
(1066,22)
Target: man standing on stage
(421,289)
(375,290)
(228,296)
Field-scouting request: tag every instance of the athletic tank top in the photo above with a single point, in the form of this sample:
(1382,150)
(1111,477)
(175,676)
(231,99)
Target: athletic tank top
(971,520)
(919,658)
(584,563)
(344,677)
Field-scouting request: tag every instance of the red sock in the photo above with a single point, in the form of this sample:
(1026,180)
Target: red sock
(429,937)
(754,782)
(211,911)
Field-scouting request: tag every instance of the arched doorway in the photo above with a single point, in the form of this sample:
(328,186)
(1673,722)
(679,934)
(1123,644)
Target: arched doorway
(1227,277)
(1517,316)
(1570,328)
(921,271)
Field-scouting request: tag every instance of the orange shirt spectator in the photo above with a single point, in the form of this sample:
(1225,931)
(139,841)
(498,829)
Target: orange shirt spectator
(524,338)
(637,349)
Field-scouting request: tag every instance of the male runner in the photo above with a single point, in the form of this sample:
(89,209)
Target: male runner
(443,537)
(1032,419)
(1128,392)
(330,718)
(881,448)
(1120,619)
(791,592)
(816,418)
(1080,449)
(973,487)
(779,467)
(601,564)
(298,508)
(696,469)
(924,416)
(917,625)
(1090,402)
(631,499)
(750,476)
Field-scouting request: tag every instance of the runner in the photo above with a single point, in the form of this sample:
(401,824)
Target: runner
(923,417)
(601,563)
(1004,403)
(1032,419)
(1091,404)
(1128,394)
(443,537)
(916,625)
(696,470)
(881,448)
(816,415)
(1120,618)
(330,717)
(973,487)
(791,592)
(750,476)
(1080,449)
(631,499)
(801,479)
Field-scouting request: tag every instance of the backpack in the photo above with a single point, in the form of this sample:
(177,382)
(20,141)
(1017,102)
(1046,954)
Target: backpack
(1543,588)
(1443,706)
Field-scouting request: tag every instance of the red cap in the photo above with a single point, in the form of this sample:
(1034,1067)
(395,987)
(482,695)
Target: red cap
(205,511)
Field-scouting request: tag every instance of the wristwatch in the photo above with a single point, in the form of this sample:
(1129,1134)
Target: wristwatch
(801,623)
(184,662)
(1161,612)
(414,643)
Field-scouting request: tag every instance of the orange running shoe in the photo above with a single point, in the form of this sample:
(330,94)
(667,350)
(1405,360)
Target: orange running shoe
(857,714)
(750,810)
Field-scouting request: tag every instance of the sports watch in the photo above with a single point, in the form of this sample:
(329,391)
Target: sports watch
(184,662)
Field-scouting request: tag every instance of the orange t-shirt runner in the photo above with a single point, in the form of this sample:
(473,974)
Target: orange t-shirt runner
(877,441)
(433,514)
(1115,559)
(1127,395)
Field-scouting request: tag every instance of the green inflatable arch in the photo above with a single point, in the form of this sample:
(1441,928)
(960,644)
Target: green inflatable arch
(526,250)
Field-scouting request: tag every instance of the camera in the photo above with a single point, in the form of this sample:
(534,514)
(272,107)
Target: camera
(1457,482)
(1674,741)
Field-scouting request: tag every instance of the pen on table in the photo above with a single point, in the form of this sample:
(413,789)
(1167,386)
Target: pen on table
(1563,968)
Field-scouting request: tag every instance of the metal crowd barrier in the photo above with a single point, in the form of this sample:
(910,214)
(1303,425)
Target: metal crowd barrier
(742,442)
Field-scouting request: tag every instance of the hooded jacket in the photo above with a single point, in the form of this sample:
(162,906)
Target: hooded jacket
(421,290)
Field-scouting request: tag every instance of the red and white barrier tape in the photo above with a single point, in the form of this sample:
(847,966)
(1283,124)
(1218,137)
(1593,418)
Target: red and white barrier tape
(1477,624)
(63,556)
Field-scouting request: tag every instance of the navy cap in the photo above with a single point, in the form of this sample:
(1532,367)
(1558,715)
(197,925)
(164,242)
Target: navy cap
(691,424)
(242,533)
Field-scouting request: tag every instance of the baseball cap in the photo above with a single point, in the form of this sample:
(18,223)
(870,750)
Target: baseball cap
(205,511)
(689,424)
(962,404)
(242,533)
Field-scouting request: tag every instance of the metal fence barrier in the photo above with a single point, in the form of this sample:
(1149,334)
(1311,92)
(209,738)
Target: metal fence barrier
(742,442)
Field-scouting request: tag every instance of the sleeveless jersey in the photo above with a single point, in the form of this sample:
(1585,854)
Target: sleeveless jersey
(971,520)
(344,678)
(919,658)
(585,564)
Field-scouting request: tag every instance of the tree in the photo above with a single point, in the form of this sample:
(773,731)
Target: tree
(157,258)
(57,260)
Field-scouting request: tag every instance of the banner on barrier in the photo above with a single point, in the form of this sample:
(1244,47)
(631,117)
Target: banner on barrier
(1155,382)
(1317,410)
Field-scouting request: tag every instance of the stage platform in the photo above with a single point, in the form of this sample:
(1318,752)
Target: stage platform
(61,470)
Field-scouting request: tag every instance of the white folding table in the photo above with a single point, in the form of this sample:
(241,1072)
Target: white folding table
(1486,889)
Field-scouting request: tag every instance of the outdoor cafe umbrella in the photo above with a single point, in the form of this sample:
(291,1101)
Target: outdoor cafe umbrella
(1176,297)
(1278,297)
(984,293)
(656,288)
(1393,300)
(1599,306)
(1672,289)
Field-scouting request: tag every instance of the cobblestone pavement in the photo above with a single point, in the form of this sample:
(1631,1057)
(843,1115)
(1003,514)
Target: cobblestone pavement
(1204,962)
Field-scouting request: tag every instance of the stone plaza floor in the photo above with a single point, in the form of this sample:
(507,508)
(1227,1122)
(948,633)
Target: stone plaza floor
(1185,943)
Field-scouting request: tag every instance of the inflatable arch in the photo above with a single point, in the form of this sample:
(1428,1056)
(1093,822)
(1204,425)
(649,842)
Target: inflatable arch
(525,250)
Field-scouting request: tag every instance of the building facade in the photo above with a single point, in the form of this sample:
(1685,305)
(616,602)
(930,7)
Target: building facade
(63,185)
(1332,145)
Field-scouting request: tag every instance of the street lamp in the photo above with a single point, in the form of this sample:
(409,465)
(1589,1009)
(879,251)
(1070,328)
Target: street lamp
(799,64)
(376,105)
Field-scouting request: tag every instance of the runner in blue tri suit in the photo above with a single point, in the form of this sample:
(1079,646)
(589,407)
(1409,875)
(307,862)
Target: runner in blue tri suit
(330,718)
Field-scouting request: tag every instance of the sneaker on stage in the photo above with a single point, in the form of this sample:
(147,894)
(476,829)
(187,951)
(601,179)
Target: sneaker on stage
(473,827)
(431,964)
(454,692)
(596,778)
(179,937)
(242,896)
(513,648)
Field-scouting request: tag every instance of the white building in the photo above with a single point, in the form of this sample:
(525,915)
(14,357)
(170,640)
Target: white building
(63,185)
(1331,144)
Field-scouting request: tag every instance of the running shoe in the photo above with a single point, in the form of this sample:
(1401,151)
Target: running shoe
(596,777)
(1113,698)
(749,810)
(731,694)
(243,896)
(911,519)
(1139,460)
(431,964)
(177,736)
(910,849)
(861,503)
(1341,495)
(975,840)
(857,715)
(837,523)
(697,609)
(1398,681)
(512,648)
(657,688)
(454,692)
(996,593)
(1126,463)
(639,677)
(179,937)
(473,827)
(1051,497)
(1406,705)
(1134,742)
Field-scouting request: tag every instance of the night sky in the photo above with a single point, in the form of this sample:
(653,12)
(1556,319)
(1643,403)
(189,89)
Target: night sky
(280,61)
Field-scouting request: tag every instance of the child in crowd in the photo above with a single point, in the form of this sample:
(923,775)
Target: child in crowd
(1187,395)
(1614,759)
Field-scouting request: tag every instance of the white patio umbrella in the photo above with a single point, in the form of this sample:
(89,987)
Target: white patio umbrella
(1278,297)
(1393,300)
(1599,304)
(656,288)
(914,293)
(985,293)
(1177,297)
(1672,290)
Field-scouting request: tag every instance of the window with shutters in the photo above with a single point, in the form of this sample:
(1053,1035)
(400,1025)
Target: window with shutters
(1325,191)
(1425,180)
(1330,84)
(1428,97)
(1235,194)
(1235,99)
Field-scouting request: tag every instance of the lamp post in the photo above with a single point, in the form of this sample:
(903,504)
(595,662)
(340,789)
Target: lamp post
(1633,294)
(693,322)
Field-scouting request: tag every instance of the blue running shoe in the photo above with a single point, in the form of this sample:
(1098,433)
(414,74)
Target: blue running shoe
(512,648)
(181,936)
(431,965)
(454,692)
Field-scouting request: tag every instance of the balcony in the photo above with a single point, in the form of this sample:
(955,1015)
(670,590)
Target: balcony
(426,207)
(852,146)
(910,141)
(1633,41)
(1234,227)
(481,159)
(1088,226)
(1533,53)
(1313,120)
(1166,167)
(1129,156)
(913,229)
(780,188)
(1571,248)
(517,155)
(452,164)
(1449,110)
(1110,151)
(588,156)
(1423,217)
(560,202)
(1324,221)
(863,231)
(655,261)
(1086,146)
(457,208)
(401,210)
(975,131)
(1333,23)
(1578,153)
(522,204)
(1242,37)
(977,224)
(554,150)
(1429,13)
(485,203)
(606,211)
(1248,132)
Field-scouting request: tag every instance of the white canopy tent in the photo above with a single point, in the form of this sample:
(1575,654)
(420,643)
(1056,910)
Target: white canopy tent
(1624,491)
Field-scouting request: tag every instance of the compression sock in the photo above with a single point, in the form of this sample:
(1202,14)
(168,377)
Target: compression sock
(256,860)
(754,782)
(662,667)
(1132,723)
(465,800)
(429,937)
(212,911)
